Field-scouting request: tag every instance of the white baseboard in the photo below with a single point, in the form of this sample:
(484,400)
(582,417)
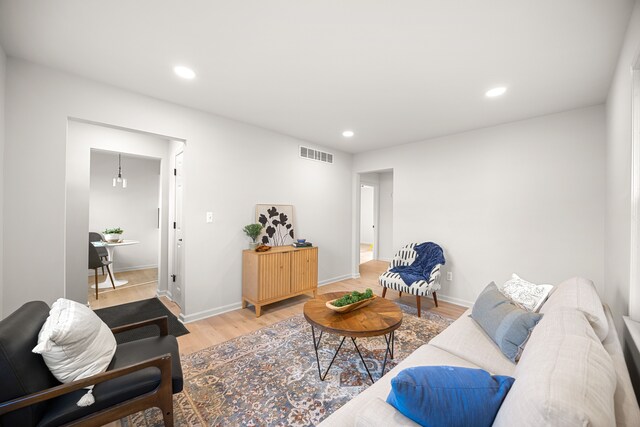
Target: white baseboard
(385,260)
(208,313)
(453,300)
(334,279)
(137,267)
(164,293)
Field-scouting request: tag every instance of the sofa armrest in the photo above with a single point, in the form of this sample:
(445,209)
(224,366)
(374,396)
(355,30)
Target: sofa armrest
(162,362)
(380,414)
(160,322)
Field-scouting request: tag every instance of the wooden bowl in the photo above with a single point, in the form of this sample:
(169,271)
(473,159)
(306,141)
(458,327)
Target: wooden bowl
(349,307)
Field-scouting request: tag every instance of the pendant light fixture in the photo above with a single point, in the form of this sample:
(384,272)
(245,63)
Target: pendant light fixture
(119,179)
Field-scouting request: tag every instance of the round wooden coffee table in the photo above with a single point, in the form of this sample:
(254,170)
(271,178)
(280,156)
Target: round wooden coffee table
(381,317)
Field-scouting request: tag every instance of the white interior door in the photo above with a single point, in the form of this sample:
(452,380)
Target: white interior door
(178,261)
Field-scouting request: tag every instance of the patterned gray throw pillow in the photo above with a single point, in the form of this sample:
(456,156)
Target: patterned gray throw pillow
(507,325)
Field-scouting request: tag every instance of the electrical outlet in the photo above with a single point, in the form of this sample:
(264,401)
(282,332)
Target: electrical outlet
(449,275)
(209,216)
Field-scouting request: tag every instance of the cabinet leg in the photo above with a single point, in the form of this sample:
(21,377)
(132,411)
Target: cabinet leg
(315,293)
(244,303)
(257,311)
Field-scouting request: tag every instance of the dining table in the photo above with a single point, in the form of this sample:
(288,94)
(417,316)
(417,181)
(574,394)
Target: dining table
(111,248)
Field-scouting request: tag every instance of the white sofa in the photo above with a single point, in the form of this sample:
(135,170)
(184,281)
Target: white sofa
(572,371)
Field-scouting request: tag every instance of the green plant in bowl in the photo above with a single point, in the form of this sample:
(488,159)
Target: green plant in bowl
(116,230)
(353,298)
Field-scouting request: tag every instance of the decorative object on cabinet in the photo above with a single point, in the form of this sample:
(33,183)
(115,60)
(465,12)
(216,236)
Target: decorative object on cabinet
(253,231)
(277,221)
(281,273)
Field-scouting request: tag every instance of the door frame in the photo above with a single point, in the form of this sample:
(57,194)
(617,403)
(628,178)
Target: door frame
(376,215)
(634,250)
(172,261)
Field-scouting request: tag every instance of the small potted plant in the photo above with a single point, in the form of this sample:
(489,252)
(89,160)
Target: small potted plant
(112,234)
(253,231)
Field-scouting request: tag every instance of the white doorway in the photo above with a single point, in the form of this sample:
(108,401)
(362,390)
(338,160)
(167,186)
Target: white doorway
(368,216)
(132,205)
(374,217)
(177,260)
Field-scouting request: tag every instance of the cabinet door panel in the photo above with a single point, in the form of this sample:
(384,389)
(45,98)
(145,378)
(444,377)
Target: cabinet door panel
(275,276)
(304,270)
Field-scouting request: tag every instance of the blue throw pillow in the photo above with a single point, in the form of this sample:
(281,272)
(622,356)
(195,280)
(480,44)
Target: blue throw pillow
(438,396)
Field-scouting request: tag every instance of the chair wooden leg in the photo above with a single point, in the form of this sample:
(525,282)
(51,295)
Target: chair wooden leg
(435,299)
(95,270)
(384,292)
(110,277)
(418,304)
(103,271)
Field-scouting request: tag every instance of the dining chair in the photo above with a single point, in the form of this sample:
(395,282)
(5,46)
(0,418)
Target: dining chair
(97,237)
(95,262)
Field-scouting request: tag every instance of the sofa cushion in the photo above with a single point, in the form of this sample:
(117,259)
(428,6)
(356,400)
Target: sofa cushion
(21,371)
(380,414)
(506,324)
(580,294)
(457,339)
(565,377)
(64,409)
(525,294)
(426,355)
(449,396)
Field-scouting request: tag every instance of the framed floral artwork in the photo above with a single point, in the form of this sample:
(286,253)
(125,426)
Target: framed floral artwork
(277,221)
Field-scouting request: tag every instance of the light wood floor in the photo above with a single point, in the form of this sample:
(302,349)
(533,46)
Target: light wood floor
(142,285)
(214,330)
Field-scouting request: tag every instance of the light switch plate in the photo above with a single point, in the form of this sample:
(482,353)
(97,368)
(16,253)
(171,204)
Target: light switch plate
(209,216)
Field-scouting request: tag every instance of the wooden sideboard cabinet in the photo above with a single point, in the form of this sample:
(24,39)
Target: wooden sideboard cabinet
(281,273)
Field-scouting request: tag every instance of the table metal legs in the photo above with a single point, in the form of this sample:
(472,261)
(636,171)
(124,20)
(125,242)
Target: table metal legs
(388,338)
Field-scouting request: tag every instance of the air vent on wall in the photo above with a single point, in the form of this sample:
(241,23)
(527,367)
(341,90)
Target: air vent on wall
(312,154)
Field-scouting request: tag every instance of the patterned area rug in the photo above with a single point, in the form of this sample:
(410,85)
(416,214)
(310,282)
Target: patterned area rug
(270,377)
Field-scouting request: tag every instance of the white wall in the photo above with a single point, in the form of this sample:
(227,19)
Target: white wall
(385,217)
(224,172)
(135,209)
(524,197)
(366,215)
(618,176)
(3,61)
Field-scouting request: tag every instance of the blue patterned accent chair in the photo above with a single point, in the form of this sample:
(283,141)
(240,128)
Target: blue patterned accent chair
(429,285)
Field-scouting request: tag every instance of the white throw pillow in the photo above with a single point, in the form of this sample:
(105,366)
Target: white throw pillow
(526,294)
(74,342)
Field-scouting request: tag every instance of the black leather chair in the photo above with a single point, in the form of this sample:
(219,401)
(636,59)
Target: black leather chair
(102,252)
(143,374)
(95,262)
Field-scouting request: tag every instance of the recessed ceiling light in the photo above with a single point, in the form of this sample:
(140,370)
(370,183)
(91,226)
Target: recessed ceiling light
(348,133)
(496,91)
(184,72)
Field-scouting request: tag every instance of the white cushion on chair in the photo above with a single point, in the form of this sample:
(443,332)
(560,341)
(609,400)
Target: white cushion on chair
(394,281)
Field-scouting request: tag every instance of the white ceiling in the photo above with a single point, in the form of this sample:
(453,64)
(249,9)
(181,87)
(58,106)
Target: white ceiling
(393,71)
